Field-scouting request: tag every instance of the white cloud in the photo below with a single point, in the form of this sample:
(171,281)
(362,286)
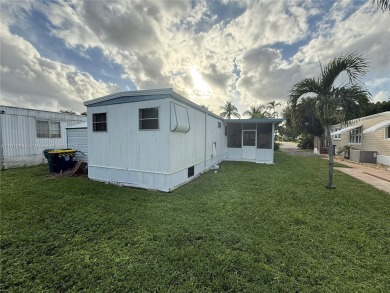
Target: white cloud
(29,80)
(161,43)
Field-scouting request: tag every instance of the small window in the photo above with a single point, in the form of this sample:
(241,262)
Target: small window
(337,136)
(387,132)
(225,130)
(48,129)
(99,121)
(148,118)
(355,135)
(191,171)
(219,124)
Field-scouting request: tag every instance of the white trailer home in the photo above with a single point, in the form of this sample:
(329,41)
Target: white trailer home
(157,139)
(25,133)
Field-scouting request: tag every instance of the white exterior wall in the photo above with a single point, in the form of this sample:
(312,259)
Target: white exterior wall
(20,145)
(203,146)
(78,140)
(126,155)
(153,159)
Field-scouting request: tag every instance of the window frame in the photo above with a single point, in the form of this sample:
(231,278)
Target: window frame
(387,133)
(94,123)
(143,119)
(337,136)
(356,135)
(50,129)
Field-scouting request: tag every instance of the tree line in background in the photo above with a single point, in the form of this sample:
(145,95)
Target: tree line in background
(254,112)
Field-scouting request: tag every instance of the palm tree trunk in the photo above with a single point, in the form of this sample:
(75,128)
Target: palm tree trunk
(330,155)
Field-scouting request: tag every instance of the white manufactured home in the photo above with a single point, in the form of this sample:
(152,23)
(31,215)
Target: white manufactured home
(77,139)
(25,133)
(368,136)
(157,139)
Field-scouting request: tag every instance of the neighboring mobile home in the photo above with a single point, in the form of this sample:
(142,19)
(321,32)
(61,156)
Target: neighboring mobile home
(77,138)
(369,137)
(25,133)
(157,139)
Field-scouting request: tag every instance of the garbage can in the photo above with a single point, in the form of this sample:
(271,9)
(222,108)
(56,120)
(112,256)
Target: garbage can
(49,159)
(62,160)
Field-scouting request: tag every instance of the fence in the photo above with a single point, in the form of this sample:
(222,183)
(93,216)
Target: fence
(23,155)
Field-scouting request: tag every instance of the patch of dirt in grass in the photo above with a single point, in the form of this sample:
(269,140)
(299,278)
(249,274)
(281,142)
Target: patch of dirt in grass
(371,165)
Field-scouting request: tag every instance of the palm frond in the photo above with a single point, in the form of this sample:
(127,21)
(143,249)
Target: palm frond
(309,86)
(354,64)
(382,4)
(349,101)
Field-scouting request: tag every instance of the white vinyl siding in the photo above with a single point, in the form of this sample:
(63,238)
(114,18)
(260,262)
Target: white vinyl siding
(374,141)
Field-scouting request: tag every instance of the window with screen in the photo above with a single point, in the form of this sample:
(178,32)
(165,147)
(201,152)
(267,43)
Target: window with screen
(234,135)
(148,119)
(99,121)
(48,129)
(264,135)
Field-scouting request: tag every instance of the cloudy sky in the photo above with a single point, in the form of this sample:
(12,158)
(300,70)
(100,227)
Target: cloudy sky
(55,55)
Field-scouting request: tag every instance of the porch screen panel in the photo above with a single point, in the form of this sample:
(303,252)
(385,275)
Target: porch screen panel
(264,135)
(234,133)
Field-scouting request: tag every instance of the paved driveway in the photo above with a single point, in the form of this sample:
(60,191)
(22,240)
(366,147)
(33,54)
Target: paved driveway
(377,178)
(292,149)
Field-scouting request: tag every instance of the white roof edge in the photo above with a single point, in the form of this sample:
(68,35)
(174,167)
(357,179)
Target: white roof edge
(192,104)
(80,125)
(345,129)
(257,120)
(162,91)
(362,118)
(377,127)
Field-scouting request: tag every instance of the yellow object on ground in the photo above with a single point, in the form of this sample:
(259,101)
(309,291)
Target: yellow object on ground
(62,152)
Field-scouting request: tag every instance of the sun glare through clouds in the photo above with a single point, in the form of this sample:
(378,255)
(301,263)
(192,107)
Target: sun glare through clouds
(200,87)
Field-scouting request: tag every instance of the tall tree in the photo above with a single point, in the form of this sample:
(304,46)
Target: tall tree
(272,107)
(382,4)
(304,118)
(228,110)
(256,112)
(343,101)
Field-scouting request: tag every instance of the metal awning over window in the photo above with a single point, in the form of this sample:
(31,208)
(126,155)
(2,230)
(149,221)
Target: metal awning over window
(345,129)
(180,122)
(377,127)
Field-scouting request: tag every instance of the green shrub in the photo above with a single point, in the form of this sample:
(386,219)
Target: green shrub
(306,141)
(276,146)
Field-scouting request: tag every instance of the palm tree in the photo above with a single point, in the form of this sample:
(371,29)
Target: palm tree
(382,4)
(228,110)
(255,112)
(332,101)
(271,106)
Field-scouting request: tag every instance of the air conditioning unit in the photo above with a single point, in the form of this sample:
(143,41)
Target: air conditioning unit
(363,156)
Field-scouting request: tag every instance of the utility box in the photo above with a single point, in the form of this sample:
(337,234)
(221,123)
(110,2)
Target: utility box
(363,156)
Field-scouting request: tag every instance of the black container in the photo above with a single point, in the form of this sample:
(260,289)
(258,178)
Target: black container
(49,158)
(59,162)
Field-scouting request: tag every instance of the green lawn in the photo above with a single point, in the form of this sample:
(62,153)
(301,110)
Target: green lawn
(248,227)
